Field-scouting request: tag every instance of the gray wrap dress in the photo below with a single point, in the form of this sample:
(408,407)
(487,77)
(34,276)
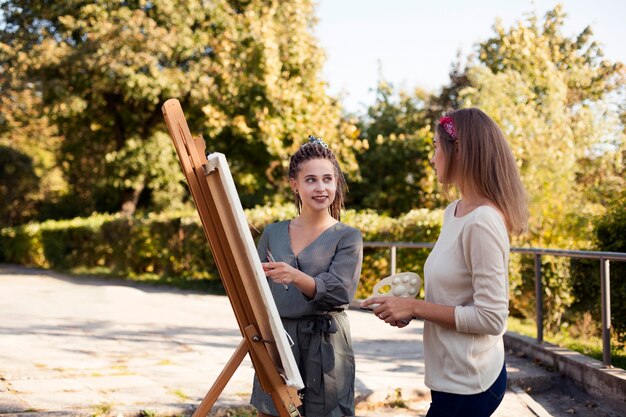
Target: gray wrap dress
(318,326)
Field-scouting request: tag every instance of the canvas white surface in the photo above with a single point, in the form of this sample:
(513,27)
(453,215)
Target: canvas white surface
(292,373)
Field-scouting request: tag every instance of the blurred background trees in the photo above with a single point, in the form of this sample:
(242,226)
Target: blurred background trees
(395,173)
(247,74)
(83,82)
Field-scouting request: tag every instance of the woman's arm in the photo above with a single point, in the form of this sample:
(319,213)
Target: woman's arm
(283,273)
(336,287)
(399,310)
(486,249)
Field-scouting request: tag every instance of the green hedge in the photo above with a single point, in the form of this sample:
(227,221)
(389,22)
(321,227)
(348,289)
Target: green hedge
(56,244)
(174,244)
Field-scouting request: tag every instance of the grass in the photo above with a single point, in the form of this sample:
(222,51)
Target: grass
(572,338)
(396,401)
(102,409)
(181,395)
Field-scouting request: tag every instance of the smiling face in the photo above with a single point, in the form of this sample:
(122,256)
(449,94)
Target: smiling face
(316,183)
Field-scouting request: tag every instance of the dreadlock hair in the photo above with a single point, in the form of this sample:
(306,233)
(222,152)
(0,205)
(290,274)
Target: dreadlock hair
(318,150)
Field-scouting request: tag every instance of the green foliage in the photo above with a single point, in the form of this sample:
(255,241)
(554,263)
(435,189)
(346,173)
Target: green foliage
(395,174)
(603,175)
(246,73)
(56,244)
(538,50)
(260,216)
(17,178)
(610,237)
(22,245)
(26,139)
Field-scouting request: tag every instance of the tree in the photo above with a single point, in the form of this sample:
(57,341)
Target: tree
(246,73)
(395,174)
(449,98)
(536,50)
(28,144)
(17,177)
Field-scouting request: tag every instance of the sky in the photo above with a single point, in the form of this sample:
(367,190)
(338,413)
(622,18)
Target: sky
(413,43)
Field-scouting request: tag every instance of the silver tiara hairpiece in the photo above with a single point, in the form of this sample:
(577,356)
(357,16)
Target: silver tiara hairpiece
(317,141)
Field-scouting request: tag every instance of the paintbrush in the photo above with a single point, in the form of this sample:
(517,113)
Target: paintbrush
(271,259)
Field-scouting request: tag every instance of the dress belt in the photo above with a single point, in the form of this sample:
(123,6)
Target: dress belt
(321,358)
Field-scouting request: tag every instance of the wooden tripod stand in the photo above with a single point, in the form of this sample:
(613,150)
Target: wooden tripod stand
(227,231)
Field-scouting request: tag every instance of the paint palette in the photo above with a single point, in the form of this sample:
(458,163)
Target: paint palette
(404,284)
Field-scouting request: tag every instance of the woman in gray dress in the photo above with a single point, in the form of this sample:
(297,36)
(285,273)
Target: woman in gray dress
(314,263)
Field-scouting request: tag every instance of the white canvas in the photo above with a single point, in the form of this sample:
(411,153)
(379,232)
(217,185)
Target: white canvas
(292,374)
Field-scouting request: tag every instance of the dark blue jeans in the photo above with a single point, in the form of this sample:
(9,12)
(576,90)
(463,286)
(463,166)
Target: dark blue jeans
(482,404)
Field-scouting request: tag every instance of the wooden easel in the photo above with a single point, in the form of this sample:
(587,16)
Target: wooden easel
(211,186)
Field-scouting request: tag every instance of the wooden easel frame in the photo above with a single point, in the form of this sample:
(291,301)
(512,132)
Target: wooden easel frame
(226,229)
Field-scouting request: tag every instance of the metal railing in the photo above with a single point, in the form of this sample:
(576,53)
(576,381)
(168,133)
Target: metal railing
(605,281)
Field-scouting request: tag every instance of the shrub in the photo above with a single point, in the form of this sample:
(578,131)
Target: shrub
(56,244)
(611,237)
(174,244)
(17,181)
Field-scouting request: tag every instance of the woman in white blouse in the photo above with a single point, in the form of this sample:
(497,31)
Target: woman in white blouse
(466,275)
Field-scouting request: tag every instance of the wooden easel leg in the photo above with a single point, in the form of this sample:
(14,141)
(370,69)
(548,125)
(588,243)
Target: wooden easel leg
(285,398)
(221,381)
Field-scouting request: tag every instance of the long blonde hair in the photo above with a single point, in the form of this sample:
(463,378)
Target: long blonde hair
(480,160)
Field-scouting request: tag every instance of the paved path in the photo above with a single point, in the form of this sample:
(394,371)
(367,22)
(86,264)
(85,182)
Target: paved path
(94,347)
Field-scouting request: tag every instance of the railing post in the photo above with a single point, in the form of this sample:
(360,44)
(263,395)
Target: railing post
(605,294)
(538,298)
(393,259)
